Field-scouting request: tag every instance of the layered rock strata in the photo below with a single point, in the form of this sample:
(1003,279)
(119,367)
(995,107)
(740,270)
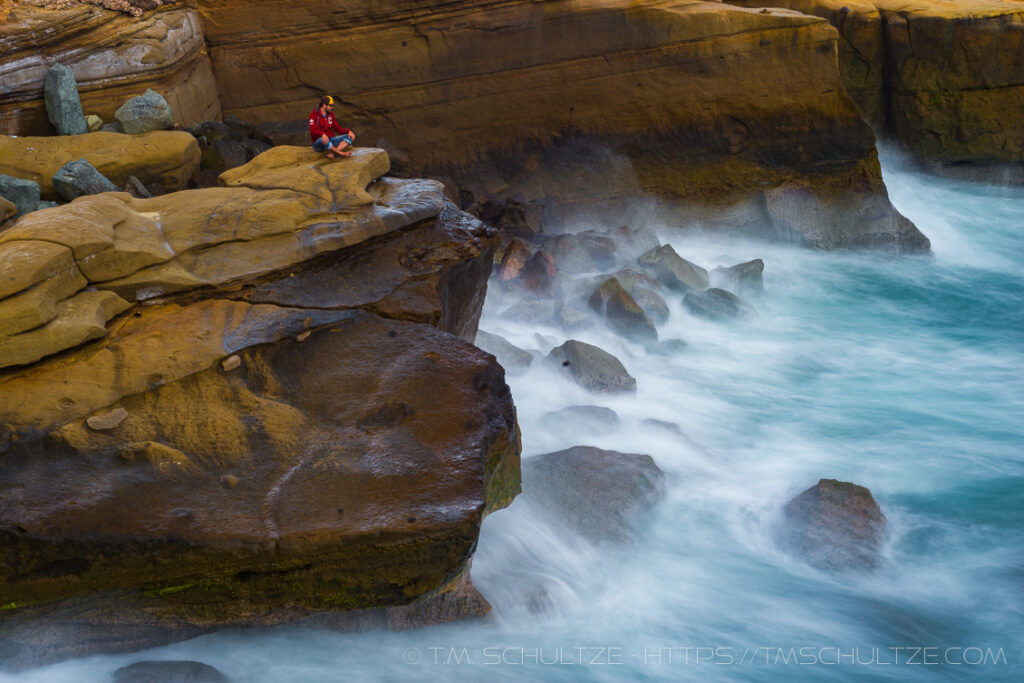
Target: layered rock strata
(113,56)
(293,426)
(943,78)
(583,104)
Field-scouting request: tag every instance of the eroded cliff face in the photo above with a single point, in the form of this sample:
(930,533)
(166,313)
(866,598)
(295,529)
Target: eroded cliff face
(581,104)
(293,426)
(943,78)
(114,56)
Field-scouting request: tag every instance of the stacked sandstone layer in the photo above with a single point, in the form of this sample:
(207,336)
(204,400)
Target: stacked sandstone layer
(580,104)
(293,425)
(114,56)
(943,78)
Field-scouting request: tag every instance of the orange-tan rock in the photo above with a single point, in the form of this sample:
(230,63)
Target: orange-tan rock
(296,427)
(942,77)
(580,104)
(114,56)
(168,158)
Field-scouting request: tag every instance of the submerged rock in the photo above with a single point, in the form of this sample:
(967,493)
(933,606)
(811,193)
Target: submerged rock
(586,420)
(62,104)
(600,494)
(537,311)
(539,273)
(517,253)
(632,242)
(592,368)
(834,525)
(512,358)
(570,255)
(673,270)
(623,313)
(169,671)
(743,279)
(714,304)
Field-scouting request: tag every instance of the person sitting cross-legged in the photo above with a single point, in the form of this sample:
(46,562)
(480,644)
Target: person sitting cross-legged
(325,132)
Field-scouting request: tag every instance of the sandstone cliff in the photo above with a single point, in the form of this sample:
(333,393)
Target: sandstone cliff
(294,424)
(581,104)
(113,56)
(943,78)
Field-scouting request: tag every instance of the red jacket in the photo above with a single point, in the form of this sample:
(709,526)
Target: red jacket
(324,125)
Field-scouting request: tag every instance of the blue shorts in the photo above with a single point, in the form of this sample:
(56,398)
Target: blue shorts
(319,145)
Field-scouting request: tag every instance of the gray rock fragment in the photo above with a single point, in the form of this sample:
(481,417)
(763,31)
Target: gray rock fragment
(149,111)
(63,107)
(79,178)
(23,193)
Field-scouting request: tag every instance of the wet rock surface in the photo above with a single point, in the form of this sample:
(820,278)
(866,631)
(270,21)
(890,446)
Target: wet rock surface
(834,525)
(600,494)
(623,314)
(514,359)
(295,484)
(715,304)
(169,671)
(592,368)
(584,420)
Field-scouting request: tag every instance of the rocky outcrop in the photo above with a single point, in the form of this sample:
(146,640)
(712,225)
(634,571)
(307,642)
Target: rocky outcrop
(113,56)
(834,525)
(583,106)
(294,426)
(942,78)
(166,158)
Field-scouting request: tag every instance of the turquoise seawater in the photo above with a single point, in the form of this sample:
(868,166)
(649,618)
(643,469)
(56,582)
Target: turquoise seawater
(904,375)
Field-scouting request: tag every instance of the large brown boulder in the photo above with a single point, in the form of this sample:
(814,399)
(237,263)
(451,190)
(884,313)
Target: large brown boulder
(697,103)
(295,428)
(834,525)
(113,56)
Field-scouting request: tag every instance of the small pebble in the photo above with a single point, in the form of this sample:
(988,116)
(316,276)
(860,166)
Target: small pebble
(107,420)
(230,363)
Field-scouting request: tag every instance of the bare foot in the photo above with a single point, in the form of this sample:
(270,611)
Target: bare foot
(330,155)
(344,154)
